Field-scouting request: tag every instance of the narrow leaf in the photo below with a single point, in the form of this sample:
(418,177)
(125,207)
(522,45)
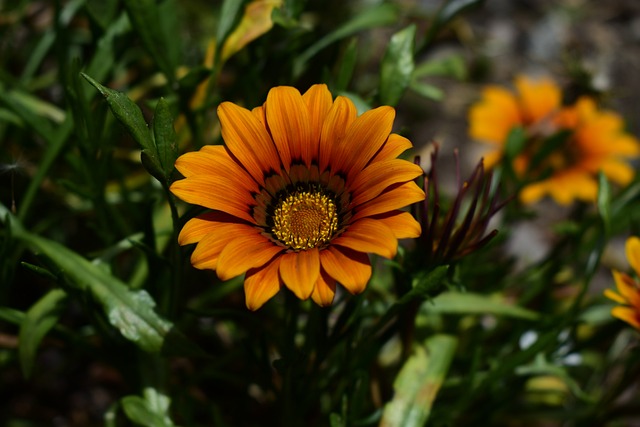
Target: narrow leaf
(425,284)
(228,17)
(39,319)
(131,312)
(147,20)
(471,303)
(604,201)
(371,17)
(397,66)
(165,137)
(127,112)
(418,383)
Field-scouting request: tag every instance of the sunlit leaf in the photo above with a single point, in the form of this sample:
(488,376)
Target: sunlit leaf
(417,384)
(255,22)
(472,303)
(397,66)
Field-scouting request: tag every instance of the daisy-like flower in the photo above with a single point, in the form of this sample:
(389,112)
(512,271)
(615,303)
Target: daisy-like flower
(301,192)
(596,142)
(499,111)
(564,147)
(628,288)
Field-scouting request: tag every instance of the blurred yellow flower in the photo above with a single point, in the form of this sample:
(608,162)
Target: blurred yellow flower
(499,111)
(564,147)
(300,193)
(628,288)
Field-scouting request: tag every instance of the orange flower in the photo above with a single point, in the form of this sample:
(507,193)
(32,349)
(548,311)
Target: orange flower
(597,142)
(564,148)
(299,195)
(500,111)
(628,288)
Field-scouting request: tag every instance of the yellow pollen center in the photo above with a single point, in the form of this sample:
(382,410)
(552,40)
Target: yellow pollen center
(305,219)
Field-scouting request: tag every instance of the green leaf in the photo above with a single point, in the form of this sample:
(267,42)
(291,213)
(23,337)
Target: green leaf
(229,14)
(471,303)
(104,58)
(425,284)
(151,25)
(129,114)
(346,66)
(516,140)
(604,201)
(139,411)
(426,90)
(39,319)
(397,66)
(11,315)
(371,17)
(449,66)
(166,141)
(131,312)
(540,366)
(418,383)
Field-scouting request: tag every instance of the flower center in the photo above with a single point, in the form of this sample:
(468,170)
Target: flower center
(305,219)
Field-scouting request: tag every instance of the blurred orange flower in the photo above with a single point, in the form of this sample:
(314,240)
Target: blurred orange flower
(564,147)
(300,193)
(499,111)
(628,288)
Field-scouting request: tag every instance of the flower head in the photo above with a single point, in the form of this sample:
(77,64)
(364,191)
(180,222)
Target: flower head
(628,288)
(563,148)
(499,111)
(300,193)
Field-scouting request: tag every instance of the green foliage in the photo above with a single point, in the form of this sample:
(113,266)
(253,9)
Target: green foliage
(100,305)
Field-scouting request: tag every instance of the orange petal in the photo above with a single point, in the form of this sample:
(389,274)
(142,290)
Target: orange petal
(300,271)
(628,288)
(215,160)
(251,250)
(325,290)
(369,236)
(215,192)
(376,177)
(614,296)
(363,139)
(196,228)
(340,117)
(392,148)
(394,198)
(319,101)
(632,250)
(261,284)
(248,140)
(627,314)
(350,268)
(290,125)
(534,192)
(494,115)
(538,98)
(403,224)
(208,250)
